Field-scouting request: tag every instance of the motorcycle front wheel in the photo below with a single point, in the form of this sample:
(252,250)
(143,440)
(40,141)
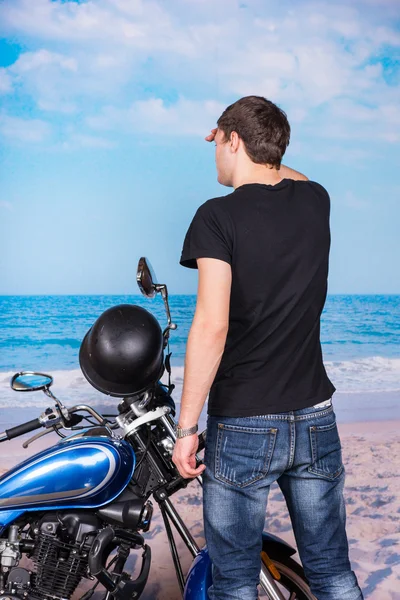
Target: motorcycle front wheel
(292,582)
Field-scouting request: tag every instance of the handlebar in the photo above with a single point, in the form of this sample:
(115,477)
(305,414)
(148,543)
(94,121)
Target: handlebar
(14,432)
(48,419)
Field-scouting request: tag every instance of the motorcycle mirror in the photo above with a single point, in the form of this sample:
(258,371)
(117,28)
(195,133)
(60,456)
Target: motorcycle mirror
(147,284)
(146,278)
(28,381)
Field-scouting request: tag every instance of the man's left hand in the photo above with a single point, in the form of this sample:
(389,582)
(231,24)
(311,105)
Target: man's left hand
(184,456)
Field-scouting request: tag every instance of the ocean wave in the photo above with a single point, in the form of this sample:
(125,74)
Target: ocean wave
(370,374)
(71,387)
(373,374)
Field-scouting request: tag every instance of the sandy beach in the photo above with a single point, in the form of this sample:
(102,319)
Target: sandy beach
(371,455)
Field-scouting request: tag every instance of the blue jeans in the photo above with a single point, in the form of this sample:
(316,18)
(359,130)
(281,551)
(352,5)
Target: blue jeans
(301,450)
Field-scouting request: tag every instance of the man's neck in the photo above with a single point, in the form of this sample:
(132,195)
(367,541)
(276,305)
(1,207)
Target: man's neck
(265,176)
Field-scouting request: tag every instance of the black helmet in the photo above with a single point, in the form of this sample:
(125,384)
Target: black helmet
(122,353)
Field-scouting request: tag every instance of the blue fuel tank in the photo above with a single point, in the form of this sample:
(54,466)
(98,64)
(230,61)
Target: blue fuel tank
(81,473)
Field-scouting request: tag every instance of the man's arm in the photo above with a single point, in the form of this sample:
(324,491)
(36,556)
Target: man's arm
(288,173)
(204,350)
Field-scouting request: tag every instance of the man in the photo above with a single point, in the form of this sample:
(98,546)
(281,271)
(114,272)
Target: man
(254,345)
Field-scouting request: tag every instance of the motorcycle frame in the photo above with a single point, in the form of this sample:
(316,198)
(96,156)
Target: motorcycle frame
(169,512)
(167,509)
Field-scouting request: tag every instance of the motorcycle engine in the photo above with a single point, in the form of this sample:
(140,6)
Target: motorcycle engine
(59,551)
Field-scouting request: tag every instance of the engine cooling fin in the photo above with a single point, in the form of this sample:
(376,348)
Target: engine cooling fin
(59,568)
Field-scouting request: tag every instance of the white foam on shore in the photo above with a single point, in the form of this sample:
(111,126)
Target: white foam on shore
(373,375)
(71,387)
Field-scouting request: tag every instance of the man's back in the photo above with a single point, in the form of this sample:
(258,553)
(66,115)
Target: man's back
(262,254)
(277,239)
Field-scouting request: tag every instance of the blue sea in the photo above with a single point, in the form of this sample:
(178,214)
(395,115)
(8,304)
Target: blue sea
(360,339)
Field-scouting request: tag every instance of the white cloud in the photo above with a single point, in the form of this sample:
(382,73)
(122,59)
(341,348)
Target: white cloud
(348,120)
(81,140)
(24,130)
(5,81)
(64,83)
(334,152)
(184,117)
(107,60)
(106,23)
(47,77)
(30,61)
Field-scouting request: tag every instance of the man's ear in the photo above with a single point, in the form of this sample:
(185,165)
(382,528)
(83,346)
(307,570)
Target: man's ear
(234,141)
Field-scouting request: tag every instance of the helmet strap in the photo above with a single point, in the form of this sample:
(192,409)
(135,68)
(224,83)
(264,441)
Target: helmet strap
(171,386)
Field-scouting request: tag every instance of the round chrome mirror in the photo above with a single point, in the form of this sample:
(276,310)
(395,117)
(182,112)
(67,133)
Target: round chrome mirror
(28,381)
(146,278)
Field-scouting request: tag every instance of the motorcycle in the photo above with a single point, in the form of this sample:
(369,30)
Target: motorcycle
(78,509)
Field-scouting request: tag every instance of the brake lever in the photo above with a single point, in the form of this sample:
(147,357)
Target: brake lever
(40,434)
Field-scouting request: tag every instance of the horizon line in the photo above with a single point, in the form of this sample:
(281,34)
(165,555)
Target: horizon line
(172,295)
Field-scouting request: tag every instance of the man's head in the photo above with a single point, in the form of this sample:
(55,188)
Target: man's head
(251,131)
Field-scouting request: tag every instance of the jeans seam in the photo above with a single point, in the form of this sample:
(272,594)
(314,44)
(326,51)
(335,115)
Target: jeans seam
(313,415)
(268,459)
(312,431)
(240,428)
(292,429)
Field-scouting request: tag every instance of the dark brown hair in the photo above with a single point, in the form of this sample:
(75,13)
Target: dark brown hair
(261,125)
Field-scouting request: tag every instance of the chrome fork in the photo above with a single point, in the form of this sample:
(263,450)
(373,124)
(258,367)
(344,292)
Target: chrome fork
(269,585)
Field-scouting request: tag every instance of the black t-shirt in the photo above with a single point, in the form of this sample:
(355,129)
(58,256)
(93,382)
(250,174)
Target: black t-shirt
(276,239)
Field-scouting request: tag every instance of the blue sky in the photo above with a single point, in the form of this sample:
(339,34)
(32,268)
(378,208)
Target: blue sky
(104,109)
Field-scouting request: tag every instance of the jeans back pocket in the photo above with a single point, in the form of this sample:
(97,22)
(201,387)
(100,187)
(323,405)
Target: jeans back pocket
(243,454)
(326,451)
